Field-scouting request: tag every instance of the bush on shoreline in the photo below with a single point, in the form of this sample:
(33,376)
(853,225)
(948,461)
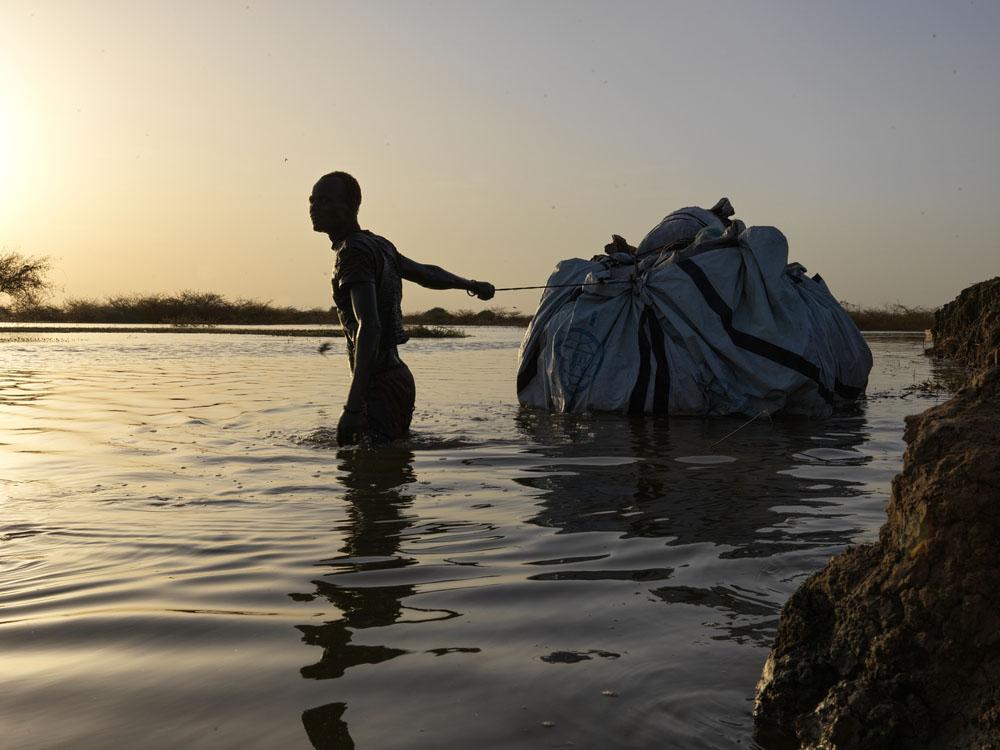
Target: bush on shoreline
(206,308)
(895,317)
(184,308)
(494,316)
(22,277)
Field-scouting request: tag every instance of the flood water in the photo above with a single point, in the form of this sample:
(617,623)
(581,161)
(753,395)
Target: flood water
(187,561)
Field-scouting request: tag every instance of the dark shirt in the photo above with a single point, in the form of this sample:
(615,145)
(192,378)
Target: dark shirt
(362,258)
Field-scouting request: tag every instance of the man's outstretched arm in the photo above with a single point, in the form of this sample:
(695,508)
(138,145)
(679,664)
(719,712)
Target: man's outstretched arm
(435,277)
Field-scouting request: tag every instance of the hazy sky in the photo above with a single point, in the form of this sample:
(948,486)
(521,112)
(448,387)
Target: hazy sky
(159,146)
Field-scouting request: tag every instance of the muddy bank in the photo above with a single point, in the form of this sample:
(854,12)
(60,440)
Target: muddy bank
(967,329)
(897,644)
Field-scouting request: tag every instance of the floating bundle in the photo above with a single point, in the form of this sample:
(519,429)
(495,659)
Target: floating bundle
(704,317)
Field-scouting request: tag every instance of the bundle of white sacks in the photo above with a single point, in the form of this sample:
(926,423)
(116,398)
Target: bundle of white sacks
(705,317)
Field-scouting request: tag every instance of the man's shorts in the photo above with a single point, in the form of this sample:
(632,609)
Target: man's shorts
(390,404)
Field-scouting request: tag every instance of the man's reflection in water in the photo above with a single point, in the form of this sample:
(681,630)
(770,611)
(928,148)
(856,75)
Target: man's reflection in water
(659,477)
(377,505)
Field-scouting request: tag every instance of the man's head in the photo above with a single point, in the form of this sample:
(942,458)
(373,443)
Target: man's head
(334,203)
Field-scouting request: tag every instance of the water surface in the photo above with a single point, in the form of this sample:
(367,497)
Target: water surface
(186,560)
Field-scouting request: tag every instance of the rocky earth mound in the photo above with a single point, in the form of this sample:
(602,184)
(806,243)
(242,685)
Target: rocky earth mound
(967,329)
(897,644)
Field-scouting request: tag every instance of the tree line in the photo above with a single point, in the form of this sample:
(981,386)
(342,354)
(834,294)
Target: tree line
(25,285)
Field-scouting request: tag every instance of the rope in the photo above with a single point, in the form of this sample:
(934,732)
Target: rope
(682,243)
(554,286)
(762,413)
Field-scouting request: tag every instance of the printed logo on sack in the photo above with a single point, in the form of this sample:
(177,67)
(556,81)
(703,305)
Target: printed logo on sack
(581,357)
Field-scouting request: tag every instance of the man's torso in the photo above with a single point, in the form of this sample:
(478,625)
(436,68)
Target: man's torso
(362,258)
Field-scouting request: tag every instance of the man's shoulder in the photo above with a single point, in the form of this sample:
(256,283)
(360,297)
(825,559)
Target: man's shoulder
(360,243)
(378,248)
(356,260)
(367,239)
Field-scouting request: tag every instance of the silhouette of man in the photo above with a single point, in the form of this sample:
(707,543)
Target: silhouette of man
(368,293)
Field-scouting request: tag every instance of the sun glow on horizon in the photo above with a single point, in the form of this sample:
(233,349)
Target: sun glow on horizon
(6,151)
(20,160)
(13,153)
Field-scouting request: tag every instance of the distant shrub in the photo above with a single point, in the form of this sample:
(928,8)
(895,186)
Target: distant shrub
(895,317)
(434,315)
(190,308)
(23,278)
(185,308)
(495,316)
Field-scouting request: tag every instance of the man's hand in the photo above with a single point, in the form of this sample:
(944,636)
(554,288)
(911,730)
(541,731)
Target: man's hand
(350,428)
(483,289)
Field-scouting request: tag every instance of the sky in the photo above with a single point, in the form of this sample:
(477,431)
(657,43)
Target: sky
(159,146)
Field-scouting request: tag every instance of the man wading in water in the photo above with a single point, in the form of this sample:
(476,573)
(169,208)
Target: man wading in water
(368,292)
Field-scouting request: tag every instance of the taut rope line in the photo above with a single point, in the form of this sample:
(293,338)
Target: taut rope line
(555,286)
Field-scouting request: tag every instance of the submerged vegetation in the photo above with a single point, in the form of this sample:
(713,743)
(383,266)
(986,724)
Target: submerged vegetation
(415,332)
(434,332)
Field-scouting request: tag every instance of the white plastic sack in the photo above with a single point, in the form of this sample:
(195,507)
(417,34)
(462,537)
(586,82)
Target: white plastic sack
(705,330)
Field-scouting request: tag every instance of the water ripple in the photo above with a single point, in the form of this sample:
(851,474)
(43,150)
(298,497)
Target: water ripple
(188,560)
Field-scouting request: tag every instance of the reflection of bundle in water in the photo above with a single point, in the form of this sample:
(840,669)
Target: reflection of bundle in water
(637,477)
